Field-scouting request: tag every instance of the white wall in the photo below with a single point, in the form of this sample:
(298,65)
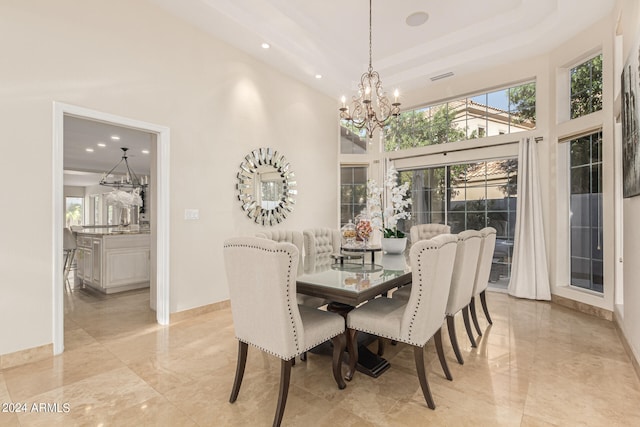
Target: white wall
(135,60)
(629,314)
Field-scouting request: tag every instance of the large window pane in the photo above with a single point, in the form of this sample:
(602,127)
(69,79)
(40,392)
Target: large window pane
(353,192)
(499,112)
(352,140)
(586,212)
(74,211)
(586,87)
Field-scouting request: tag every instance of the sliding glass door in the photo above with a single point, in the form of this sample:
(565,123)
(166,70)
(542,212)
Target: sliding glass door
(469,196)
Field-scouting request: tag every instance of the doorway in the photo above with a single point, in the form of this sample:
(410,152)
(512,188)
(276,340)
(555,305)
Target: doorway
(160,225)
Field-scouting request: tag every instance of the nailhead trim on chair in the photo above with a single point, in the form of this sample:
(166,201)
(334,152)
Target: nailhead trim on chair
(295,332)
(413,315)
(299,350)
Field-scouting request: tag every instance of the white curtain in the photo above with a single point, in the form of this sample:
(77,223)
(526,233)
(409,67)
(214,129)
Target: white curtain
(529,272)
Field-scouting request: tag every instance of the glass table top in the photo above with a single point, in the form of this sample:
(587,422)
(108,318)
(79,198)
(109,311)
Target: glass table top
(354,282)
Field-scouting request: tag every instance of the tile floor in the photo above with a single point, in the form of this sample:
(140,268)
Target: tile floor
(538,365)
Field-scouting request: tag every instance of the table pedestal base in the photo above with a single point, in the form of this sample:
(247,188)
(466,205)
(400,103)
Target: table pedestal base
(369,363)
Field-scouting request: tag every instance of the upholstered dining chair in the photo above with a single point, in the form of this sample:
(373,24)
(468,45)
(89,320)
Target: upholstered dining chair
(268,317)
(297,239)
(482,275)
(290,236)
(462,281)
(461,289)
(416,320)
(319,244)
(427,231)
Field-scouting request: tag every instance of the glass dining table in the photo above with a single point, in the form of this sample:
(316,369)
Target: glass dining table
(347,284)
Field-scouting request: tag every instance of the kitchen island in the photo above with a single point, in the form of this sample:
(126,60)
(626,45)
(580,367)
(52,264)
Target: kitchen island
(113,260)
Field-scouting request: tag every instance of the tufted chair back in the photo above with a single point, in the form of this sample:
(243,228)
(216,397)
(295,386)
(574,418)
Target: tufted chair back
(266,316)
(290,236)
(464,271)
(486,258)
(319,244)
(427,231)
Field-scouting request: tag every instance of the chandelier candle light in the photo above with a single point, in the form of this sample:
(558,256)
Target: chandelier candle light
(370,108)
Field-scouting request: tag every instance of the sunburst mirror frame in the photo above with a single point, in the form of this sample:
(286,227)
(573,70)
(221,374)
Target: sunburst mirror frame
(247,186)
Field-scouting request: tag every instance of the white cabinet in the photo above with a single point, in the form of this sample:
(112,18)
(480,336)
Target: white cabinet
(96,265)
(114,262)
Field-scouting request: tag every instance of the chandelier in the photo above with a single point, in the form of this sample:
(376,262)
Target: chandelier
(370,108)
(127,178)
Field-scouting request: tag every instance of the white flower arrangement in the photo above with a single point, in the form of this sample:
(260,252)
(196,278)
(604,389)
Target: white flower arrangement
(124,199)
(386,218)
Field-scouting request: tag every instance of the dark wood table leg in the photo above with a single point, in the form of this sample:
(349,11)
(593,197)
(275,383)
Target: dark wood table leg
(369,363)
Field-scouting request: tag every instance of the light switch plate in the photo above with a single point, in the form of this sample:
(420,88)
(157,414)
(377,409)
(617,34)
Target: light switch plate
(191,214)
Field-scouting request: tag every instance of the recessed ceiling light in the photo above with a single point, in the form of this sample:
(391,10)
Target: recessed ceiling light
(417,18)
(101,144)
(318,76)
(89,150)
(265,45)
(145,151)
(115,137)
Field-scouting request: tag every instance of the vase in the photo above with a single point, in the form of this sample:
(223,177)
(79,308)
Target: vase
(363,228)
(394,245)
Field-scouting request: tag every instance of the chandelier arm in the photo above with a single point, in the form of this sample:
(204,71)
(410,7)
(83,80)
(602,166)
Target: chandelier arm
(131,173)
(114,168)
(132,179)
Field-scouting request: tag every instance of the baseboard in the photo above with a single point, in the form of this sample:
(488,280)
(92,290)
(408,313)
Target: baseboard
(582,307)
(29,355)
(625,344)
(198,311)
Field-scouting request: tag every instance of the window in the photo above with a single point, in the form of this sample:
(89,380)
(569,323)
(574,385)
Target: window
(504,111)
(97,211)
(74,211)
(586,87)
(586,212)
(352,140)
(469,196)
(353,192)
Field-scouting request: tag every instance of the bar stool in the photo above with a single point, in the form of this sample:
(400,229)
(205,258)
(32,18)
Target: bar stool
(69,247)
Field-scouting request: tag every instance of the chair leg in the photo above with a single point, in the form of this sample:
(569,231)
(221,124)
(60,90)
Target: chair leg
(339,345)
(242,362)
(285,376)
(352,347)
(474,316)
(440,350)
(68,262)
(483,300)
(454,340)
(467,326)
(380,346)
(303,357)
(418,355)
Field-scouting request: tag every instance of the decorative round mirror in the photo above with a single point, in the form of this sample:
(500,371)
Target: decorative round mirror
(266,186)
